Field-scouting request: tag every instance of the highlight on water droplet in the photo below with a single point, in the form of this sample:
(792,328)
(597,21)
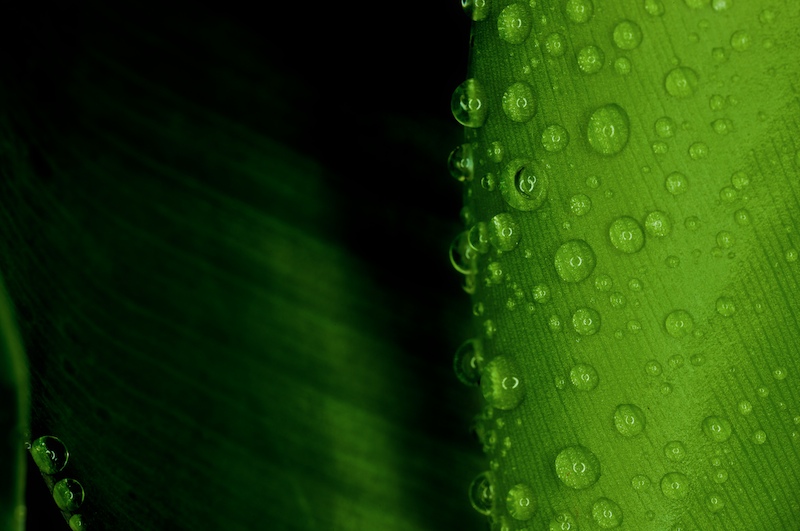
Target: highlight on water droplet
(481,493)
(514,23)
(524,184)
(675,485)
(606,513)
(468,361)
(718,429)
(49,454)
(679,323)
(584,377)
(555,138)
(629,420)
(504,232)
(476,9)
(590,59)
(574,261)
(468,104)
(68,494)
(675,451)
(627,35)
(577,467)
(626,235)
(608,129)
(586,321)
(676,183)
(461,163)
(501,384)
(579,11)
(519,102)
(681,82)
(521,502)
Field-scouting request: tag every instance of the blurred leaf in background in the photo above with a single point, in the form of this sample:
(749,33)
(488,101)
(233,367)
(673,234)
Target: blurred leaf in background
(225,233)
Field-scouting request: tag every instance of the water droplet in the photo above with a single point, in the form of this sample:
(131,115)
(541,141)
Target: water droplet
(68,494)
(635,284)
(634,326)
(462,255)
(720,476)
(504,232)
(745,407)
(593,182)
(721,5)
(495,151)
(541,293)
(519,102)
(555,44)
(461,163)
(676,361)
(524,185)
(716,102)
(478,237)
(720,55)
(672,261)
(627,35)
(727,194)
(698,150)
(603,283)
(586,321)
(681,82)
(626,235)
(577,467)
(469,104)
(574,261)
(521,502)
(555,138)
(514,23)
(675,451)
(640,482)
(717,428)
(584,377)
(779,373)
(658,224)
(654,8)
(675,485)
(725,306)
(76,523)
(659,148)
(49,454)
(501,384)
(468,361)
(475,9)
(554,323)
(679,323)
(723,126)
(579,11)
(622,66)
(725,239)
(715,503)
(629,420)
(563,522)
(790,255)
(608,129)
(590,59)
(606,513)
(692,223)
(617,300)
(767,16)
(580,204)
(481,493)
(665,127)
(741,40)
(676,183)
(653,368)
(742,217)
(763,392)
(759,436)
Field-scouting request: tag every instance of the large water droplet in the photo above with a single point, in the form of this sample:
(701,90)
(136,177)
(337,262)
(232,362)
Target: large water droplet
(586,321)
(629,420)
(574,261)
(606,513)
(584,377)
(521,502)
(577,467)
(49,454)
(469,104)
(716,428)
(504,232)
(524,184)
(468,361)
(626,235)
(68,494)
(501,384)
(476,9)
(681,82)
(555,138)
(608,129)
(579,11)
(627,35)
(679,323)
(461,163)
(675,485)
(590,59)
(519,102)
(76,523)
(514,23)
(481,493)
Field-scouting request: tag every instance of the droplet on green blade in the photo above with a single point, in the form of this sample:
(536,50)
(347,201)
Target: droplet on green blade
(49,454)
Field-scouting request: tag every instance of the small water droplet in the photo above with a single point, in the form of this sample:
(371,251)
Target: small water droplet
(745,407)
(653,368)
(476,9)
(629,420)
(721,5)
(725,306)
(481,493)
(679,323)
(660,148)
(524,185)
(574,261)
(514,23)
(665,127)
(676,361)
(727,194)
(725,239)
(519,102)
(720,476)
(715,503)
(779,373)
(504,232)
(742,217)
(675,485)
(579,11)
(692,223)
(521,502)
(577,467)
(593,182)
(741,40)
(563,522)
(759,436)
(698,150)
(555,44)
(640,482)
(461,163)
(617,300)
(603,283)
(501,384)
(469,104)
(584,377)
(76,523)
(622,66)
(586,321)
(541,293)
(675,451)
(68,494)
(478,237)
(626,235)
(468,361)
(590,59)
(681,82)
(606,513)
(762,391)
(580,204)
(627,35)
(555,138)
(716,428)
(49,454)
(676,183)
(790,255)
(495,151)
(608,129)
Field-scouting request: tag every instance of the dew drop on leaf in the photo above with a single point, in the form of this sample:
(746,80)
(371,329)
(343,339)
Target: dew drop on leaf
(514,23)
(481,493)
(586,321)
(577,467)
(629,420)
(606,513)
(584,377)
(675,485)
(501,384)
(521,502)
(461,163)
(524,184)
(555,138)
(679,323)
(476,9)
(675,451)
(468,361)
(627,35)
(681,82)
(49,454)
(574,261)
(519,102)
(68,494)
(608,129)
(504,232)
(579,11)
(626,235)
(716,428)
(469,104)
(590,59)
